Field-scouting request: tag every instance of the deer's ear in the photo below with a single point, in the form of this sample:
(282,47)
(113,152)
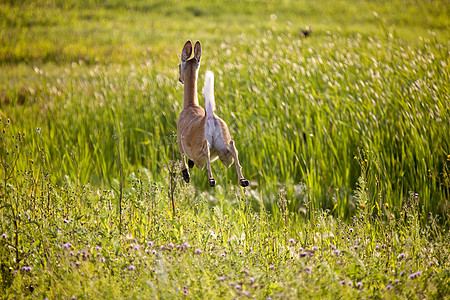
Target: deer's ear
(198,51)
(187,51)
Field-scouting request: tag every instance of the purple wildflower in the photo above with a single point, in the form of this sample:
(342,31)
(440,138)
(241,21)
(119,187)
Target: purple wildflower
(314,248)
(291,241)
(415,275)
(389,287)
(154,252)
(67,245)
(342,282)
(350,283)
(198,251)
(359,284)
(131,268)
(401,255)
(150,244)
(4,236)
(336,252)
(98,248)
(185,290)
(170,245)
(222,278)
(240,252)
(351,230)
(26,269)
(396,281)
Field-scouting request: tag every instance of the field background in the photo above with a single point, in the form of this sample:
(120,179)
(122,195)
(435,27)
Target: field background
(351,121)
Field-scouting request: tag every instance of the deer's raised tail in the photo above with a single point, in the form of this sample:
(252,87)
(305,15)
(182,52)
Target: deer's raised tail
(208,93)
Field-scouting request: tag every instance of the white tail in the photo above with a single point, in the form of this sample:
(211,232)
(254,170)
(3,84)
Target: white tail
(208,94)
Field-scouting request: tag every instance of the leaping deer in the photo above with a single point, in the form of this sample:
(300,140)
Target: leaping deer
(202,135)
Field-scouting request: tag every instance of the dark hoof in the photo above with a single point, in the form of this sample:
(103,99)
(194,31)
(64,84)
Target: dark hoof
(244,182)
(186,176)
(190,163)
(212,183)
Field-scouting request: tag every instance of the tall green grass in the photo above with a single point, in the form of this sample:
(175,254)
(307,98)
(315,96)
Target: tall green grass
(92,74)
(343,134)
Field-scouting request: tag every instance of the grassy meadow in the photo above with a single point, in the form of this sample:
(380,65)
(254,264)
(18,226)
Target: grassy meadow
(344,135)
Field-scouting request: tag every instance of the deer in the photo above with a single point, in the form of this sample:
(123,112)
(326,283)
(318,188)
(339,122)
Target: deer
(202,136)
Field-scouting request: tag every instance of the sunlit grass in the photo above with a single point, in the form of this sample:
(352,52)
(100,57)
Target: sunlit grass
(344,136)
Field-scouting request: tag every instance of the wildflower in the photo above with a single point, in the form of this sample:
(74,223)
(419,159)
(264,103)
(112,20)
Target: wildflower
(65,221)
(198,251)
(73,297)
(170,245)
(71,253)
(351,230)
(223,254)
(415,275)
(150,244)
(402,273)
(26,269)
(222,278)
(98,248)
(342,282)
(359,284)
(77,263)
(102,259)
(355,247)
(136,247)
(154,252)
(186,245)
(396,281)
(389,287)
(401,255)
(162,247)
(131,268)
(314,248)
(185,290)
(336,252)
(291,241)
(240,252)
(350,283)
(251,280)
(377,247)
(4,236)
(67,245)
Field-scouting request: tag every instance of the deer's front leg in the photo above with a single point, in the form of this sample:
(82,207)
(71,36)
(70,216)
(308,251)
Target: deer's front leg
(242,181)
(212,182)
(184,168)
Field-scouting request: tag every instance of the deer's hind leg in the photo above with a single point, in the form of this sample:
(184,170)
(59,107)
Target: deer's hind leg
(206,152)
(242,181)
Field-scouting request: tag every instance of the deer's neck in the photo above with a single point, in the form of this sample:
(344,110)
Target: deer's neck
(190,92)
